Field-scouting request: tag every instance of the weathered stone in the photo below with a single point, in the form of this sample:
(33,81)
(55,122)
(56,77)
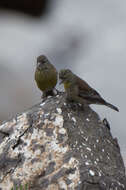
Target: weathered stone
(56,146)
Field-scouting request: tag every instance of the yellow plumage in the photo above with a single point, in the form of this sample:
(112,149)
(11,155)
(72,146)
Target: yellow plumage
(66,85)
(45,76)
(46,80)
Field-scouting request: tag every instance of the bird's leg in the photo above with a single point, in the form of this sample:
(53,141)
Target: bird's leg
(71,104)
(47,93)
(81,101)
(77,99)
(57,91)
(43,97)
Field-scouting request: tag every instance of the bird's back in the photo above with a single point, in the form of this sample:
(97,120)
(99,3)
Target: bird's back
(87,92)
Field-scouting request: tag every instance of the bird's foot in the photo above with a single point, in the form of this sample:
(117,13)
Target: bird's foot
(72,105)
(83,107)
(57,92)
(44,96)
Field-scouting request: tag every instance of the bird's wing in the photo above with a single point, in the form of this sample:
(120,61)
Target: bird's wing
(87,91)
(85,88)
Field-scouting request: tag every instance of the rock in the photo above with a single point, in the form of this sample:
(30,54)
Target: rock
(53,146)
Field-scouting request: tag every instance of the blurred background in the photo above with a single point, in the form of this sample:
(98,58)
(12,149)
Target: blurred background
(87,36)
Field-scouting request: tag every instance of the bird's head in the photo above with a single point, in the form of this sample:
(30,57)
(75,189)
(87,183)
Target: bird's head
(41,61)
(66,76)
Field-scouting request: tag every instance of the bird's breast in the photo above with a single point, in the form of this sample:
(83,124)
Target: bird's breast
(46,80)
(66,85)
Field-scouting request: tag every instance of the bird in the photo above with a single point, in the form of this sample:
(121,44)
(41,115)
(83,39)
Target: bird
(46,76)
(79,91)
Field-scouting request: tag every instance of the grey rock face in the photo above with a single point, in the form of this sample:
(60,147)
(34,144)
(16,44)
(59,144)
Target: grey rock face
(59,146)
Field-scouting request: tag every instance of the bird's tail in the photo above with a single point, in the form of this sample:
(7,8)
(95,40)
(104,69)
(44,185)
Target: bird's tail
(112,106)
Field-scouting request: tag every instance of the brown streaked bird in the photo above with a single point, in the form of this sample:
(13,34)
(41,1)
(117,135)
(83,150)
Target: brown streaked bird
(79,91)
(45,76)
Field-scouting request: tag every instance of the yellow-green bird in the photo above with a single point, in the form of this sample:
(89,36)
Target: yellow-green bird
(45,76)
(79,91)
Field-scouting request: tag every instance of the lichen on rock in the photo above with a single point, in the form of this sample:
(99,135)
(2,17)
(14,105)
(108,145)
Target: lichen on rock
(53,146)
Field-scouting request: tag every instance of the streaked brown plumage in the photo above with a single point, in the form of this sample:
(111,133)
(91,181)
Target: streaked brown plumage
(79,91)
(45,76)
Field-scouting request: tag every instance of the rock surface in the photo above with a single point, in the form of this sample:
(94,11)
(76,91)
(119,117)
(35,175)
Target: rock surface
(56,146)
